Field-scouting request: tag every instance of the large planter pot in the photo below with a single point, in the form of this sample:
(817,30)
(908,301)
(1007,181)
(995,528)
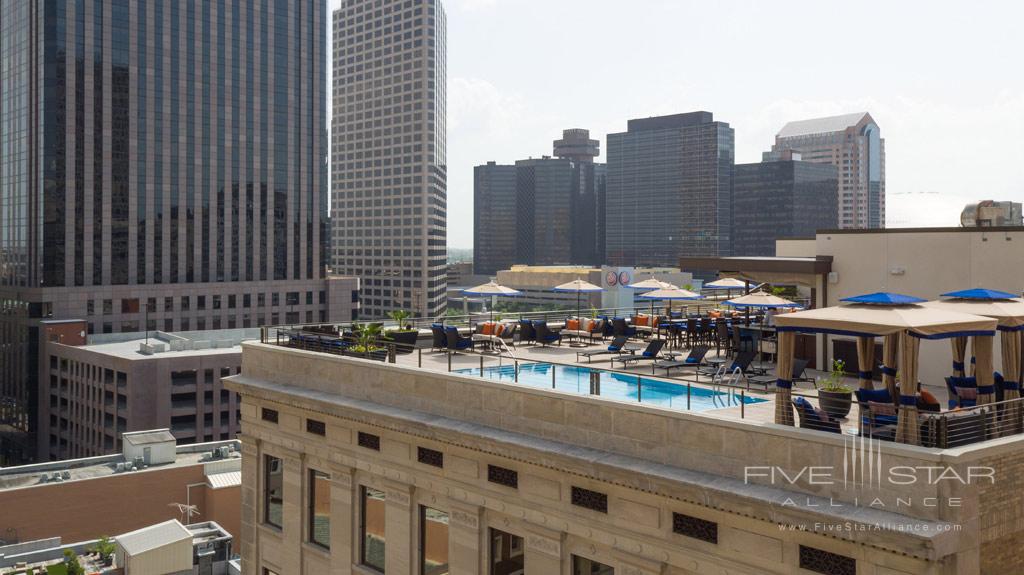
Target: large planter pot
(376,355)
(835,403)
(405,340)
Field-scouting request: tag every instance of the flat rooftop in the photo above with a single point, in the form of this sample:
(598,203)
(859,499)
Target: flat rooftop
(175,344)
(105,465)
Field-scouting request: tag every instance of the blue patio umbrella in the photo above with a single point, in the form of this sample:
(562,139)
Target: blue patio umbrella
(980,293)
(884,298)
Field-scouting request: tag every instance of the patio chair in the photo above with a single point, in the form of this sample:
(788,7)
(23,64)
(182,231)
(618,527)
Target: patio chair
(963,391)
(878,415)
(694,360)
(439,340)
(723,340)
(620,327)
(527,334)
(545,335)
(614,348)
(455,341)
(811,418)
(649,354)
(741,341)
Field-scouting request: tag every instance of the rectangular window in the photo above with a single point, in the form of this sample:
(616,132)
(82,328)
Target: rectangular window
(433,541)
(584,566)
(268,414)
(371,529)
(320,508)
(273,490)
(316,427)
(507,557)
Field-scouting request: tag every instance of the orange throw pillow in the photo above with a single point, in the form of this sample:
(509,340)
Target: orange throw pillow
(572,325)
(590,326)
(641,320)
(488,329)
(715,314)
(499,329)
(928,398)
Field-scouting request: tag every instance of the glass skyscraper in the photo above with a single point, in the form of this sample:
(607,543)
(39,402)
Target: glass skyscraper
(669,190)
(162,166)
(853,144)
(388,167)
(781,199)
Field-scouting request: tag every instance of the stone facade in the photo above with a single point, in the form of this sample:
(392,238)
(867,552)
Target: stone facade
(671,484)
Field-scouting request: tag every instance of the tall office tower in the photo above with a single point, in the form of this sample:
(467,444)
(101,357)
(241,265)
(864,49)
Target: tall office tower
(780,199)
(853,144)
(590,183)
(389,191)
(494,218)
(555,207)
(163,167)
(669,190)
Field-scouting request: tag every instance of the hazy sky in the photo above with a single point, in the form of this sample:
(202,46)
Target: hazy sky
(943,80)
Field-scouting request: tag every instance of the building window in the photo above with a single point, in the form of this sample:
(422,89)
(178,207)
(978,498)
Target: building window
(433,541)
(268,415)
(430,457)
(507,557)
(273,490)
(369,441)
(503,476)
(371,529)
(320,508)
(588,499)
(316,427)
(584,566)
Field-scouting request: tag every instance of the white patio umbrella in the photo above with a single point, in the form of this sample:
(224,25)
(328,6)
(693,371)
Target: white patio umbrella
(668,294)
(578,286)
(652,283)
(760,299)
(729,284)
(491,288)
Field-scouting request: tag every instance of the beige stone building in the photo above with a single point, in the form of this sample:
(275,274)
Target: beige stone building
(436,472)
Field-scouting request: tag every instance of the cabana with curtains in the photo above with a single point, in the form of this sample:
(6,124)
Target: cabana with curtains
(1008,311)
(902,325)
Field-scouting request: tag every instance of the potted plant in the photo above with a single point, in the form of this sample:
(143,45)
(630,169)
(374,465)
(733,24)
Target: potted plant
(367,342)
(404,335)
(105,549)
(834,396)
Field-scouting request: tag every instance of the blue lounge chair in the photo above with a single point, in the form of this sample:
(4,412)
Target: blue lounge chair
(455,341)
(440,340)
(649,354)
(546,335)
(614,348)
(811,418)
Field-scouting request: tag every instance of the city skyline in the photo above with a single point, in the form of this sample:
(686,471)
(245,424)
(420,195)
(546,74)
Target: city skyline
(505,95)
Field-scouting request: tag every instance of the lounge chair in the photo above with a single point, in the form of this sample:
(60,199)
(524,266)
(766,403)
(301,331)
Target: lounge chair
(545,335)
(440,340)
(811,418)
(799,366)
(694,360)
(527,333)
(649,354)
(742,363)
(455,341)
(614,348)
(620,327)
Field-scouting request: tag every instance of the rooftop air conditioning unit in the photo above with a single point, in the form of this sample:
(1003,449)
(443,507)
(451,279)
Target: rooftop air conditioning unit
(120,467)
(223,451)
(66,475)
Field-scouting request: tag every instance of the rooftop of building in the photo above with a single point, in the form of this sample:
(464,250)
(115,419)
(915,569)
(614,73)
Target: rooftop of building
(218,461)
(671,121)
(133,345)
(153,537)
(821,125)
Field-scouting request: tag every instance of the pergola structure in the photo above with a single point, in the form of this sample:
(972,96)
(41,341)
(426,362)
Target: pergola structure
(902,325)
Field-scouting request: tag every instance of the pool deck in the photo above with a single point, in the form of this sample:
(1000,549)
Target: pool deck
(564,354)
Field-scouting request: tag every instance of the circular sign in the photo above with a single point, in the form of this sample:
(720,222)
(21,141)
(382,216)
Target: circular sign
(610,278)
(624,278)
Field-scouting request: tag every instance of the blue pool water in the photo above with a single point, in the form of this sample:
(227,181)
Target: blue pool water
(576,379)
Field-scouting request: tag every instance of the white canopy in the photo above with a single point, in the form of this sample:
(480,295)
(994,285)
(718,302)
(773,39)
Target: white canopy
(670,293)
(652,283)
(728,283)
(491,288)
(578,285)
(761,299)
(1008,313)
(875,320)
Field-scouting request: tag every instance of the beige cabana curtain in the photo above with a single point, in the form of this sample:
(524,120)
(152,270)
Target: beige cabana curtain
(907,428)
(890,346)
(865,360)
(1011,349)
(784,381)
(982,349)
(959,345)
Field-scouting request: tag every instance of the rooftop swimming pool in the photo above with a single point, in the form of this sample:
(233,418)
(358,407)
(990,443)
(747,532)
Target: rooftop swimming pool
(620,386)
